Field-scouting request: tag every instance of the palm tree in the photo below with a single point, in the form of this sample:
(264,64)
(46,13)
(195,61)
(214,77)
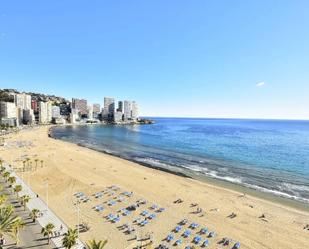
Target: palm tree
(17,226)
(42,163)
(69,239)
(17,189)
(9,223)
(24,200)
(3,199)
(11,180)
(24,165)
(34,214)
(36,163)
(47,231)
(6,175)
(96,245)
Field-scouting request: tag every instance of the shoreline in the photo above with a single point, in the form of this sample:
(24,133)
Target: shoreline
(186,173)
(71,168)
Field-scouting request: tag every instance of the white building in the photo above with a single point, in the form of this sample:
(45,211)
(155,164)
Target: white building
(74,116)
(134,111)
(127,107)
(23,101)
(90,112)
(56,111)
(118,116)
(8,113)
(45,112)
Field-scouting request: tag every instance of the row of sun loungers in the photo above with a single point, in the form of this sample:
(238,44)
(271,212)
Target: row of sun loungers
(197,240)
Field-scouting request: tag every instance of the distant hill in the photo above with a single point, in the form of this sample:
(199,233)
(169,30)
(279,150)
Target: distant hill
(6,95)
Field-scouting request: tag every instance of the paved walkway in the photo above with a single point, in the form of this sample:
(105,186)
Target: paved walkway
(48,215)
(30,236)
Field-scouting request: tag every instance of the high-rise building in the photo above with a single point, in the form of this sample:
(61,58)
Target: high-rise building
(90,112)
(118,116)
(8,114)
(56,112)
(45,112)
(134,110)
(74,117)
(8,110)
(29,117)
(109,108)
(23,101)
(120,106)
(80,105)
(34,105)
(65,109)
(127,107)
(96,108)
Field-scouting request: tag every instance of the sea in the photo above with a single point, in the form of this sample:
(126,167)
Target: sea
(266,155)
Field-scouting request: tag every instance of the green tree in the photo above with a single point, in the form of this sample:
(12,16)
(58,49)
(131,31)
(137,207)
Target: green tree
(96,245)
(69,239)
(11,180)
(17,189)
(3,199)
(24,200)
(6,175)
(9,223)
(47,231)
(17,226)
(34,214)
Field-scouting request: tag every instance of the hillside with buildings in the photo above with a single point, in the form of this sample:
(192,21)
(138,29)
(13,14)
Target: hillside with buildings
(26,108)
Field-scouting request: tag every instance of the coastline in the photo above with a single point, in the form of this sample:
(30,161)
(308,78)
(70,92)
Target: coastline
(207,179)
(70,168)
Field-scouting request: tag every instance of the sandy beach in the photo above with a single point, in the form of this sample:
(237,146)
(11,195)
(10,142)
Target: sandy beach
(68,169)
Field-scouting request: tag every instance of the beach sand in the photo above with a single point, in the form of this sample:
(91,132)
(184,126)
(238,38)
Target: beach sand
(70,168)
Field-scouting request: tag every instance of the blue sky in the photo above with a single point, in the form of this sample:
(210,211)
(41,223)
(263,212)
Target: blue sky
(176,58)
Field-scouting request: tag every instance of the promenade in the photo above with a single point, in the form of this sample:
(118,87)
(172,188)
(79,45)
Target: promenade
(48,215)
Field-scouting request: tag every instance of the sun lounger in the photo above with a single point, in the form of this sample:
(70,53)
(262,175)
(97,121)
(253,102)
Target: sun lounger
(144,213)
(197,239)
(183,222)
(205,243)
(178,242)
(188,247)
(161,210)
(186,233)
(152,216)
(211,234)
(204,230)
(116,219)
(236,246)
(154,206)
(169,237)
(177,229)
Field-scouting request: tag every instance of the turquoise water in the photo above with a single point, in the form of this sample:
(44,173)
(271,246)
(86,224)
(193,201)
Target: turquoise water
(267,155)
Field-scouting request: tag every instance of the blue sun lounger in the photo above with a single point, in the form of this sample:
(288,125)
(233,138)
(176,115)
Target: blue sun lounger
(116,219)
(204,230)
(186,233)
(236,246)
(205,243)
(188,247)
(197,239)
(152,216)
(144,213)
(177,229)
(178,242)
(144,222)
(169,237)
